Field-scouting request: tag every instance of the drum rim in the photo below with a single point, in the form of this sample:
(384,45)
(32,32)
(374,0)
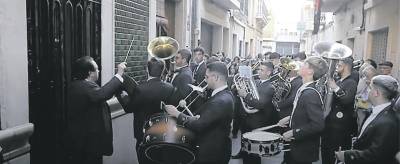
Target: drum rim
(147,147)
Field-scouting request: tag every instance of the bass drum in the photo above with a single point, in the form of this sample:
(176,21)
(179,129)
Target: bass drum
(166,142)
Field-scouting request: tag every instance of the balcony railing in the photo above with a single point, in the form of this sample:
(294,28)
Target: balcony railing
(228,4)
(262,14)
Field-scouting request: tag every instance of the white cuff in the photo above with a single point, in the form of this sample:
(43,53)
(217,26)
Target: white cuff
(337,89)
(119,78)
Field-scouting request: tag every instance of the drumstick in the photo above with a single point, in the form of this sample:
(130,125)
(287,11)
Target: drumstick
(129,50)
(340,149)
(266,128)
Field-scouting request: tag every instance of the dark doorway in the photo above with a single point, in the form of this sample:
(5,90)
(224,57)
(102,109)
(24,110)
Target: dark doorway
(59,31)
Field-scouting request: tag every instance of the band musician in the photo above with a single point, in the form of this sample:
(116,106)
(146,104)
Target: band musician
(266,115)
(212,124)
(182,76)
(145,101)
(340,123)
(307,118)
(377,141)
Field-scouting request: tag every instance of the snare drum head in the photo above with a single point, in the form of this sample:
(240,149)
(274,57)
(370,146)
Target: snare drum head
(261,136)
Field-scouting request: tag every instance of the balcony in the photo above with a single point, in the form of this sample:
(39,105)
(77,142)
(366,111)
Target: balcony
(332,5)
(228,4)
(262,14)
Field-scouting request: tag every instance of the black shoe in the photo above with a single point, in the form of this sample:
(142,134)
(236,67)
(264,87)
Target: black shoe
(237,156)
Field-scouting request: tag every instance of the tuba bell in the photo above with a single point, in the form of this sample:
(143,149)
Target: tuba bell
(332,53)
(163,47)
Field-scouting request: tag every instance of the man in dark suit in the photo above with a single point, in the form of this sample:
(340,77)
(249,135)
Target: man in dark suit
(285,106)
(89,132)
(212,124)
(266,114)
(145,101)
(307,118)
(200,70)
(377,141)
(340,123)
(182,76)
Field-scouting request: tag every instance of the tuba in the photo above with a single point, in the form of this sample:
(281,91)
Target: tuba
(332,53)
(245,81)
(164,48)
(279,81)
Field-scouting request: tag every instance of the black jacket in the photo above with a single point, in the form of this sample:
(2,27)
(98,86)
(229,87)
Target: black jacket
(378,143)
(286,105)
(199,73)
(267,114)
(180,82)
(212,128)
(145,102)
(89,127)
(307,123)
(341,117)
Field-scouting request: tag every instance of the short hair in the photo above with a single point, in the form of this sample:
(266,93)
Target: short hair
(212,59)
(269,65)
(387,63)
(302,55)
(199,49)
(274,55)
(349,62)
(372,62)
(318,65)
(155,67)
(369,68)
(82,67)
(388,85)
(186,54)
(219,68)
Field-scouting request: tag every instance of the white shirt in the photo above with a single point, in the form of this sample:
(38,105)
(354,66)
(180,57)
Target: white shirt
(296,98)
(375,111)
(215,91)
(119,77)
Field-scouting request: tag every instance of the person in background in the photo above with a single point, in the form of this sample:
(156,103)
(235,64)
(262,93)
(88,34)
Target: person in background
(385,68)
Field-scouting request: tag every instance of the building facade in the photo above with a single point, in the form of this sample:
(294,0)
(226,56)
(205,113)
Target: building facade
(369,27)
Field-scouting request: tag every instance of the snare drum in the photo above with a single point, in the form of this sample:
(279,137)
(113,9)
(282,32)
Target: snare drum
(167,142)
(263,144)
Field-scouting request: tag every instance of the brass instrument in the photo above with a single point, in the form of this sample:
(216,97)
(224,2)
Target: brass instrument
(247,83)
(279,81)
(357,64)
(164,48)
(332,53)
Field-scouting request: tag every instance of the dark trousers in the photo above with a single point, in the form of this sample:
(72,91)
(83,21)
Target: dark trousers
(84,158)
(251,159)
(290,160)
(331,141)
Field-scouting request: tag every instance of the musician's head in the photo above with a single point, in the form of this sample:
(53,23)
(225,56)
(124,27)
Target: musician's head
(182,58)
(345,66)
(155,67)
(198,53)
(275,58)
(216,75)
(265,70)
(382,89)
(367,73)
(86,68)
(313,68)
